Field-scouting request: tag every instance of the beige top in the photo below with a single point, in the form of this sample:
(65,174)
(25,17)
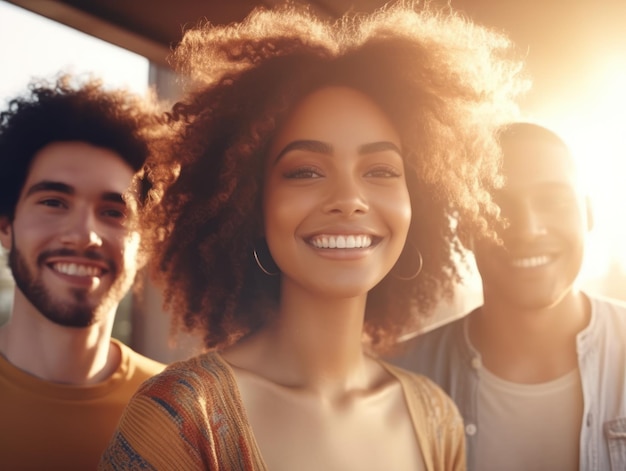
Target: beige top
(191,417)
(547,420)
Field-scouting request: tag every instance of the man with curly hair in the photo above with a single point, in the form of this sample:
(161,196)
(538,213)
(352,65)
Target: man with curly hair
(317,166)
(539,370)
(72,183)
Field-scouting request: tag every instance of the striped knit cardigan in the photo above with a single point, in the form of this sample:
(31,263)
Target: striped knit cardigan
(190,417)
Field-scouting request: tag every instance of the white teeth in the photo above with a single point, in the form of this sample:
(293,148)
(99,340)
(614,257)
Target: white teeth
(350,242)
(342,242)
(75,269)
(530,262)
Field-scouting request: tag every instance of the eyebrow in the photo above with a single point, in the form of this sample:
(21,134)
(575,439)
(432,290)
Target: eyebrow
(50,186)
(114,197)
(310,145)
(320,147)
(59,187)
(379,146)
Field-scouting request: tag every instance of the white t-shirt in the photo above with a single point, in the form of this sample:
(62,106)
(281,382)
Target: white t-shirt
(547,418)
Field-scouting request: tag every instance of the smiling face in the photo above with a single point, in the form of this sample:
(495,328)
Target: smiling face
(336,203)
(547,216)
(70,250)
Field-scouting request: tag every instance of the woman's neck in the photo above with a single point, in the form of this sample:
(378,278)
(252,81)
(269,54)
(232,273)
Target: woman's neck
(313,343)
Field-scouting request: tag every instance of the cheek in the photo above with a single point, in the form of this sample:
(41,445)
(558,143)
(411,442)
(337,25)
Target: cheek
(567,225)
(34,231)
(284,211)
(396,207)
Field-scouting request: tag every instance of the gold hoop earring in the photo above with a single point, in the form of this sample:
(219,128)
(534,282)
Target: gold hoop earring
(419,268)
(260,265)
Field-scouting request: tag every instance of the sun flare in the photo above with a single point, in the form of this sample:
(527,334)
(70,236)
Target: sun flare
(595,129)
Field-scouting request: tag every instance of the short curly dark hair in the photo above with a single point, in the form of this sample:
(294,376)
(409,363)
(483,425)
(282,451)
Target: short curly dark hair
(74,109)
(445,83)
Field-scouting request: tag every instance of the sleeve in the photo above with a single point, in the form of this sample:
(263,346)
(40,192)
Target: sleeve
(159,429)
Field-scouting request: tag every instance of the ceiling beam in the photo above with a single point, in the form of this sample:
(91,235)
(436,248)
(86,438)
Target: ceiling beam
(97,27)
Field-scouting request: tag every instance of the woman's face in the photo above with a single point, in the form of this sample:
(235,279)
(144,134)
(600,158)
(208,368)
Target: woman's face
(336,203)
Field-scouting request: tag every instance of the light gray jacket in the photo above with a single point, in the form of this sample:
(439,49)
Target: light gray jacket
(446,356)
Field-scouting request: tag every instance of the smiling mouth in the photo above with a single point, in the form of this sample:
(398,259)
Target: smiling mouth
(531,262)
(77,269)
(360,241)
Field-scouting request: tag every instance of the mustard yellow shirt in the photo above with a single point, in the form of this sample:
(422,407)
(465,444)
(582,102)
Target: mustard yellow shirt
(52,426)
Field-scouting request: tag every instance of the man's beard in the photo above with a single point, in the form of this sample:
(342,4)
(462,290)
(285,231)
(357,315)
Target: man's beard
(78,312)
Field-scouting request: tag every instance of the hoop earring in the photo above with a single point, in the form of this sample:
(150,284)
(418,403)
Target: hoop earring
(260,265)
(419,268)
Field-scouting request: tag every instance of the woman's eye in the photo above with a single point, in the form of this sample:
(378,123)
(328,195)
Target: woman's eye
(303,172)
(384,172)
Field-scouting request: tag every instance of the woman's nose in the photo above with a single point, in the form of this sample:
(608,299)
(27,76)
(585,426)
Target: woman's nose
(346,197)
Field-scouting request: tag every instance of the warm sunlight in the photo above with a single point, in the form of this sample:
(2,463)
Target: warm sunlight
(595,128)
(587,108)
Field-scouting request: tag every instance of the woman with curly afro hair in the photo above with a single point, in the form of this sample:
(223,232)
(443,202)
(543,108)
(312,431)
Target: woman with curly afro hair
(308,220)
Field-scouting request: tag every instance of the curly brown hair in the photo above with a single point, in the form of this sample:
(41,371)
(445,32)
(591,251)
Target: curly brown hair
(73,108)
(445,83)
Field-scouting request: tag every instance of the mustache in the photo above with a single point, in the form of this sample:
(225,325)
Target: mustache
(65,252)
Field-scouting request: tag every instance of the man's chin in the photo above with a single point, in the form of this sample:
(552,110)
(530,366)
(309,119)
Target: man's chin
(532,301)
(74,318)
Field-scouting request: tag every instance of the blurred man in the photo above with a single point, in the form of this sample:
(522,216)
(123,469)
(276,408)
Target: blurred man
(539,370)
(71,161)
